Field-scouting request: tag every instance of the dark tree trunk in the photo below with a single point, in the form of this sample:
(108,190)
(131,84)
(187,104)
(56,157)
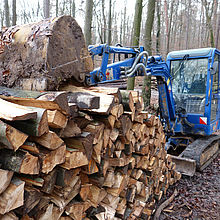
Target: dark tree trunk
(88,22)
(14,15)
(158,28)
(7,16)
(110,23)
(46,8)
(148,46)
(136,35)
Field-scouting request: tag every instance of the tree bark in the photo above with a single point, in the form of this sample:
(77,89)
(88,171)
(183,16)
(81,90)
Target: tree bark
(136,36)
(46,8)
(43,55)
(7,15)
(110,23)
(88,22)
(209,12)
(146,91)
(73,9)
(14,14)
(158,27)
(57,8)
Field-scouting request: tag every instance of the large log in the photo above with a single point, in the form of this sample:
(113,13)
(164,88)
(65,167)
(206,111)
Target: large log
(42,55)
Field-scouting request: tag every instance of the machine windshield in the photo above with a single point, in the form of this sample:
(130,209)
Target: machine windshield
(189,84)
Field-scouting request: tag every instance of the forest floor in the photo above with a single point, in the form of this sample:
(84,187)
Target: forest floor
(198,196)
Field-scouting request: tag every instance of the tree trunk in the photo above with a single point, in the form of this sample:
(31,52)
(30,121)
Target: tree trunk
(14,15)
(73,9)
(209,12)
(104,21)
(7,16)
(57,7)
(42,55)
(88,22)
(217,34)
(110,23)
(46,8)
(169,28)
(148,46)
(158,28)
(136,36)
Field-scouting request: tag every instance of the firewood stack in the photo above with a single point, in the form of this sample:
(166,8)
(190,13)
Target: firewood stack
(85,154)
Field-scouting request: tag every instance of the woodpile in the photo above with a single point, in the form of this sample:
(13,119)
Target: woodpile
(95,157)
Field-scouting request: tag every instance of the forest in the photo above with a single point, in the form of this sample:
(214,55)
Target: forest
(159,25)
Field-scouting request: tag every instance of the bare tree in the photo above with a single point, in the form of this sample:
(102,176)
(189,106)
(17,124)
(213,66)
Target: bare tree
(209,11)
(110,22)
(46,8)
(73,9)
(14,14)
(7,15)
(104,21)
(88,22)
(158,27)
(136,35)
(57,7)
(148,46)
(217,34)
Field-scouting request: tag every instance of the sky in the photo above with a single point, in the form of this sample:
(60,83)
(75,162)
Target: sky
(31,5)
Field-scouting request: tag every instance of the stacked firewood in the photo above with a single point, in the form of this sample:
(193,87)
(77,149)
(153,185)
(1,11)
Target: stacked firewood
(85,154)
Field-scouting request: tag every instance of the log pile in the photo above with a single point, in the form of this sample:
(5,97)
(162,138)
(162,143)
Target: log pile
(95,157)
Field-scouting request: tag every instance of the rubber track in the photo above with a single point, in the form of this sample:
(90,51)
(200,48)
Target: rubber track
(195,149)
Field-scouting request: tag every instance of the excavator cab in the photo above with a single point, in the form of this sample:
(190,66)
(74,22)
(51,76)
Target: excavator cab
(196,96)
(195,87)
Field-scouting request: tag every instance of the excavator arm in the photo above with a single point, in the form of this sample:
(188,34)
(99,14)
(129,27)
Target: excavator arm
(130,62)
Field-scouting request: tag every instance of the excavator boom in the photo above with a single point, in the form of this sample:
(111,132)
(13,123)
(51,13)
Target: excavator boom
(188,86)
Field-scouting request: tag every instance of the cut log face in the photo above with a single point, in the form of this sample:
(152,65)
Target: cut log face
(12,197)
(11,137)
(74,159)
(56,119)
(49,140)
(5,179)
(52,158)
(84,100)
(20,161)
(12,112)
(46,100)
(34,127)
(42,55)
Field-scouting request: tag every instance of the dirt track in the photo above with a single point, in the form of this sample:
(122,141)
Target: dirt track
(198,196)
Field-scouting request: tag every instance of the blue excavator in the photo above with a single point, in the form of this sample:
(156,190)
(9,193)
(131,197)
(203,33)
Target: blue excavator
(189,96)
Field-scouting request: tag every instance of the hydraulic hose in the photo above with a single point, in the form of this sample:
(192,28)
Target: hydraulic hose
(131,71)
(138,66)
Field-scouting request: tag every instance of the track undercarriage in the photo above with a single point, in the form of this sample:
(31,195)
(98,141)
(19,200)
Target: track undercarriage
(197,155)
